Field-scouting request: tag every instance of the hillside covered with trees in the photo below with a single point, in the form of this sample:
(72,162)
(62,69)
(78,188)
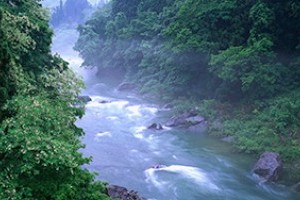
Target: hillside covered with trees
(39,143)
(235,62)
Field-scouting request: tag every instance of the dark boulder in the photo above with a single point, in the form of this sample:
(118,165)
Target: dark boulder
(122,193)
(158,166)
(155,126)
(126,87)
(84,99)
(268,166)
(104,101)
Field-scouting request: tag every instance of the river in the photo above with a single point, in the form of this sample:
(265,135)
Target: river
(124,151)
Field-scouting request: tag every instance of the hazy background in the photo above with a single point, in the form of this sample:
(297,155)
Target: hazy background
(53,3)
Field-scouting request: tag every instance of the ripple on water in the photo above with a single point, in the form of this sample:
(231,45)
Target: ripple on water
(102,134)
(113,118)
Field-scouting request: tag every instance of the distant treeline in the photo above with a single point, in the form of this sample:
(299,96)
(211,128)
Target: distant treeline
(239,57)
(70,12)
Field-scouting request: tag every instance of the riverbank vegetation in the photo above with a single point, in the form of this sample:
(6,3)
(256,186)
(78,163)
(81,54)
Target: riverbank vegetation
(39,143)
(236,62)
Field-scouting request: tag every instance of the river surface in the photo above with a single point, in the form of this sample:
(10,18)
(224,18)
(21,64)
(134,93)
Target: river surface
(196,166)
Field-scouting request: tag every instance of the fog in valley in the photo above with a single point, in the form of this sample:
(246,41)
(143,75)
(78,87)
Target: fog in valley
(183,100)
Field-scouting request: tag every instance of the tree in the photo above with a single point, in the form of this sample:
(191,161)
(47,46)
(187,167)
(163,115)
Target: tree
(39,143)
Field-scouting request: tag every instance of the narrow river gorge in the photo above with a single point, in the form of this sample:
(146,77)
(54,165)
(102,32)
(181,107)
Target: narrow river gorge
(124,151)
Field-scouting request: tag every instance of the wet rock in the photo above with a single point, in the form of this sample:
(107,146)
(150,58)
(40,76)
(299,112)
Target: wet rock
(228,139)
(122,193)
(104,101)
(195,120)
(268,166)
(158,166)
(187,119)
(155,126)
(180,119)
(84,99)
(167,106)
(126,87)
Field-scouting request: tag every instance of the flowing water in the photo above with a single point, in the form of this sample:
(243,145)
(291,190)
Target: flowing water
(124,152)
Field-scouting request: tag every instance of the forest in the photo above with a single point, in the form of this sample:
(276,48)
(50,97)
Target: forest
(39,143)
(235,62)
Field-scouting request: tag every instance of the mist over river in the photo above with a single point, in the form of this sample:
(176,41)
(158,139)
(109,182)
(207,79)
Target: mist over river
(124,151)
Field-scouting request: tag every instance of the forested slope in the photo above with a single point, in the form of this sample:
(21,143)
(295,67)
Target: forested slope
(235,61)
(39,143)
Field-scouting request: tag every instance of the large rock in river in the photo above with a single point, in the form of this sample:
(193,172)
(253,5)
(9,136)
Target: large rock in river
(189,120)
(122,193)
(84,99)
(194,120)
(268,166)
(180,120)
(155,126)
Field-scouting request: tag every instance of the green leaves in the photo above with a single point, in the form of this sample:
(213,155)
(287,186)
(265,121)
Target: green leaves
(273,126)
(15,33)
(253,67)
(262,18)
(39,143)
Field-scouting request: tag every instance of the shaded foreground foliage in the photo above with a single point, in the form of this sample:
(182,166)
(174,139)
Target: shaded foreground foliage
(237,61)
(39,143)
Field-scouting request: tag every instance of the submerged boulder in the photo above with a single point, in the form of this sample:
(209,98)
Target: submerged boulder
(155,126)
(84,99)
(104,101)
(126,86)
(268,166)
(115,191)
(158,166)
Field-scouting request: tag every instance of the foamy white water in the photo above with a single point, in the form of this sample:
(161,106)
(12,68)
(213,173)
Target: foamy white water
(193,174)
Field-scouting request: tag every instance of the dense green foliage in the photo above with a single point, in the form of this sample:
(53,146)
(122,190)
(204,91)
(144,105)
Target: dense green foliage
(232,50)
(39,143)
(240,58)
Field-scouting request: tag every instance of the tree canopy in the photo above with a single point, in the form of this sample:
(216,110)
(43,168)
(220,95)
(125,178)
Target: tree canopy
(247,46)
(39,143)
